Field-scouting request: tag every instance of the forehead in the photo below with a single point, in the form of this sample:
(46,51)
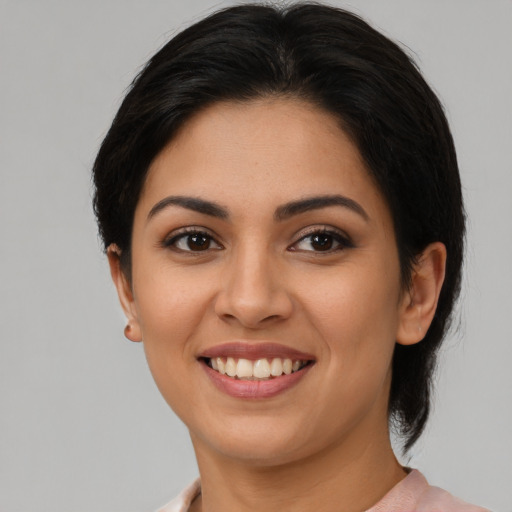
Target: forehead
(258,154)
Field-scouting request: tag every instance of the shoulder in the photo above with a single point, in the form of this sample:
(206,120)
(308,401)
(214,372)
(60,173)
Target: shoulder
(414,494)
(182,502)
(435,499)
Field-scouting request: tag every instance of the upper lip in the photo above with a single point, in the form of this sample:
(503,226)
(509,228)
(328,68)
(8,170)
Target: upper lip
(255,351)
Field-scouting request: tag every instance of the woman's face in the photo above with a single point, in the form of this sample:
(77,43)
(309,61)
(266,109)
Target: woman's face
(260,236)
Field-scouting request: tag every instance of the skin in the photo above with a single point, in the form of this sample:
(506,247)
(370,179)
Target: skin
(324,441)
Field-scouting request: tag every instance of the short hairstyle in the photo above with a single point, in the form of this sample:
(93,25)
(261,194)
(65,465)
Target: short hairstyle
(334,60)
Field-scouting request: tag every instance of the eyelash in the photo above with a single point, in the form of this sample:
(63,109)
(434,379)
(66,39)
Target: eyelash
(183,234)
(342,241)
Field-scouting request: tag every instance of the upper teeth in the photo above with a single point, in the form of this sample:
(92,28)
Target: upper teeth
(259,369)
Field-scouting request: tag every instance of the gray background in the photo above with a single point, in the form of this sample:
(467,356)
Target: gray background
(82,426)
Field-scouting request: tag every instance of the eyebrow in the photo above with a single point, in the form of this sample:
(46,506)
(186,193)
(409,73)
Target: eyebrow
(282,212)
(190,203)
(315,203)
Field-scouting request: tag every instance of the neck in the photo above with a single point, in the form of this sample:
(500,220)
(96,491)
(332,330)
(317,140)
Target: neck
(351,476)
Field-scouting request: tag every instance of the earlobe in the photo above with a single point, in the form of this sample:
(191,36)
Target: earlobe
(419,302)
(132,330)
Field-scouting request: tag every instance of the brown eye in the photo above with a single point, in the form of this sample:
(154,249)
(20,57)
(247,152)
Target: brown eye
(198,242)
(322,241)
(192,241)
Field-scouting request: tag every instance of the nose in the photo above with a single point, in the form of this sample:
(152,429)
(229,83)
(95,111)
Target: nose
(252,292)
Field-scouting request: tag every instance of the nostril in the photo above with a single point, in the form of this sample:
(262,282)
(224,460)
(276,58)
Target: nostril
(271,317)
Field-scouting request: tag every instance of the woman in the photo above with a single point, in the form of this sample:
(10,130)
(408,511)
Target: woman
(280,203)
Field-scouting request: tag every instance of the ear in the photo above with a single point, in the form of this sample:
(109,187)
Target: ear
(124,291)
(419,302)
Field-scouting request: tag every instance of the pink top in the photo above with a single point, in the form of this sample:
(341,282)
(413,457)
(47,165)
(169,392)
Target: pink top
(412,494)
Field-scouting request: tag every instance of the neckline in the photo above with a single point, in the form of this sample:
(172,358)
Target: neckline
(404,494)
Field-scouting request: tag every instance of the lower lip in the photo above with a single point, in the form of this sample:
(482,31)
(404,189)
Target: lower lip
(253,389)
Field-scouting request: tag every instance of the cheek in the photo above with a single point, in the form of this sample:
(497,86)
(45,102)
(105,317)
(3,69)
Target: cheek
(171,309)
(357,314)
(356,321)
(170,306)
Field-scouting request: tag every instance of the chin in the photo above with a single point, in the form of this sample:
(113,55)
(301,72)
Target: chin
(261,454)
(245,438)
(258,441)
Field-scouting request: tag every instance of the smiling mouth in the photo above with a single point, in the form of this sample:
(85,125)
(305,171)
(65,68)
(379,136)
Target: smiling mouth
(258,370)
